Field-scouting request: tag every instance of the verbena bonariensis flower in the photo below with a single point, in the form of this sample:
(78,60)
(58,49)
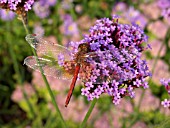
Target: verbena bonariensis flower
(16,5)
(165,6)
(116,68)
(70,27)
(166,83)
(6,15)
(134,16)
(42,7)
(20,7)
(130,14)
(39,30)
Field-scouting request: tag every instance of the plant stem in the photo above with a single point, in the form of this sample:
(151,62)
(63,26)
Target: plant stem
(46,83)
(16,69)
(20,17)
(88,113)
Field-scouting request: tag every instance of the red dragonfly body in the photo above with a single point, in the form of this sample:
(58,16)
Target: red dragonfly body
(72,85)
(83,49)
(49,63)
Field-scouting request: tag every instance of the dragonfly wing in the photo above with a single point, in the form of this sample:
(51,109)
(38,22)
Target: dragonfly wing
(47,48)
(49,67)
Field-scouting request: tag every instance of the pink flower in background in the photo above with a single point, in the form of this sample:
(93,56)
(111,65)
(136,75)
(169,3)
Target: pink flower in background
(6,15)
(38,29)
(40,10)
(161,70)
(66,4)
(42,7)
(130,14)
(85,22)
(149,101)
(134,16)
(140,125)
(79,8)
(48,2)
(18,95)
(120,7)
(165,6)
(159,28)
(156,44)
(147,9)
(70,27)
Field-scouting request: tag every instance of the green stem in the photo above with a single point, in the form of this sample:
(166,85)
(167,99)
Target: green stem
(47,84)
(53,99)
(17,71)
(88,113)
(20,17)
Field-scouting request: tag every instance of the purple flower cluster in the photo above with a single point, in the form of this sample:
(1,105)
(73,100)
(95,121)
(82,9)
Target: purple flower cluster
(114,65)
(14,5)
(42,7)
(6,15)
(166,83)
(165,6)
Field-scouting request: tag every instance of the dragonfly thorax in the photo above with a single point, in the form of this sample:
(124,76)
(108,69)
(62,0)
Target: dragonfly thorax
(82,50)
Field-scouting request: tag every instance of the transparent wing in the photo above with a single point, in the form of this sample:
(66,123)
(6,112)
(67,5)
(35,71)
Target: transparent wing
(49,67)
(47,48)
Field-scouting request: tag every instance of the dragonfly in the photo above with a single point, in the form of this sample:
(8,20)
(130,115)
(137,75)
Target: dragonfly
(48,60)
(73,65)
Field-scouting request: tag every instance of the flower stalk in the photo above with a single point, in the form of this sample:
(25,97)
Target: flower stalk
(88,113)
(46,82)
(17,71)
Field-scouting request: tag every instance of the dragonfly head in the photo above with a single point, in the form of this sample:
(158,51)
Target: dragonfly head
(84,48)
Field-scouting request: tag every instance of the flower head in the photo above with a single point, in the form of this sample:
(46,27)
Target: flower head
(6,15)
(166,83)
(20,7)
(16,5)
(42,7)
(38,30)
(166,103)
(70,27)
(116,67)
(130,14)
(165,6)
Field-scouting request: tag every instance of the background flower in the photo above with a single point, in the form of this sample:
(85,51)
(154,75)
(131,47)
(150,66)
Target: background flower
(6,15)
